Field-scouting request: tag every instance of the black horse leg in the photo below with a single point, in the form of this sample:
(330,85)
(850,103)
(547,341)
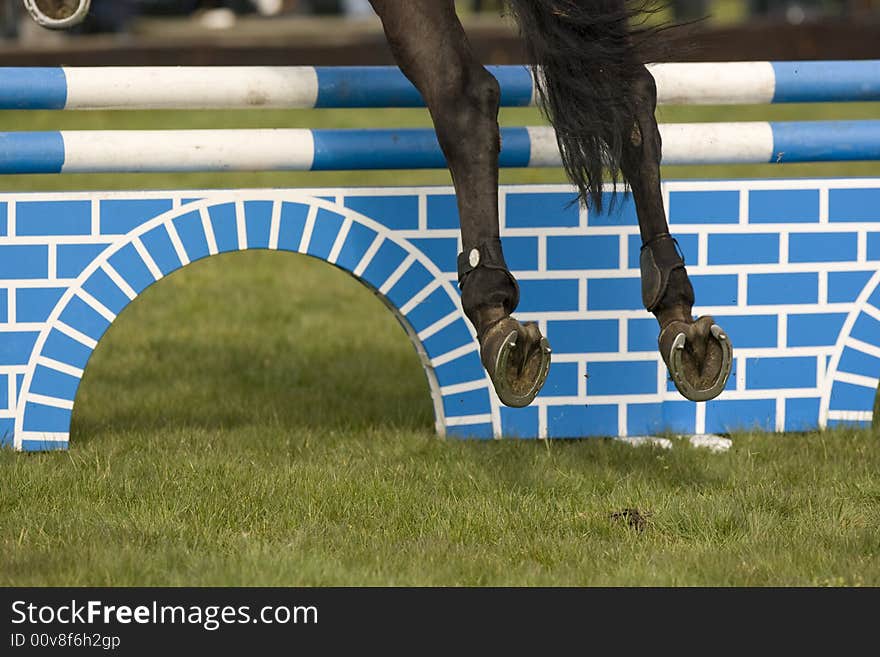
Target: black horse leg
(697,353)
(431,48)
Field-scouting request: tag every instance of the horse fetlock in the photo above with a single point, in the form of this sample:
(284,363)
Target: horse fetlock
(487,286)
(665,285)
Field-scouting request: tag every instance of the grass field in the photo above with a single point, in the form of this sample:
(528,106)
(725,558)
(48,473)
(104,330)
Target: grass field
(261,419)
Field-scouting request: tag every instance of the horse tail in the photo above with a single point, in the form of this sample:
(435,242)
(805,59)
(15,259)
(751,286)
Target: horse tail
(588,55)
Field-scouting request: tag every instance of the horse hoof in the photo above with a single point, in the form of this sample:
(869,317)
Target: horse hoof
(517,358)
(699,357)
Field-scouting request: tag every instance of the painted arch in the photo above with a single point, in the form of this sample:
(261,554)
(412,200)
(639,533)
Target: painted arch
(410,284)
(854,371)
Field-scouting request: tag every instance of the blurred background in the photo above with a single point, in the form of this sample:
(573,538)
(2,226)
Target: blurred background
(224,32)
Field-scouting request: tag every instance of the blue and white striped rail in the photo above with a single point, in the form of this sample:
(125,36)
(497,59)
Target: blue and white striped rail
(364,87)
(94,151)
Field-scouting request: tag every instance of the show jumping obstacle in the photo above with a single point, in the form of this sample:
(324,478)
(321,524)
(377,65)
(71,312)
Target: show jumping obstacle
(790,267)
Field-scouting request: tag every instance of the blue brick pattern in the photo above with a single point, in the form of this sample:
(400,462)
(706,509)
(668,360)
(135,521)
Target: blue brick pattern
(778,289)
(845,286)
(395,212)
(785,372)
(770,206)
(576,336)
(35,304)
(823,247)
(858,205)
(787,280)
(72,259)
(814,330)
(520,422)
(50,218)
(744,249)
(693,207)
(544,210)
(583,252)
(562,381)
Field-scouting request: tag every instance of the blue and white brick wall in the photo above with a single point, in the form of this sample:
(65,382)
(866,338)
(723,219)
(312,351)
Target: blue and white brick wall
(789,268)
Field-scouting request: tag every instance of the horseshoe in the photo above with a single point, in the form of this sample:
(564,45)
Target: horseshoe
(505,391)
(676,368)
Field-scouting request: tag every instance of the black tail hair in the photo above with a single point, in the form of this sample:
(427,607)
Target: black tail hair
(589,54)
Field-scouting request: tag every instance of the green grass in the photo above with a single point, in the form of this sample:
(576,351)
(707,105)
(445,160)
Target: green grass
(281,434)
(261,419)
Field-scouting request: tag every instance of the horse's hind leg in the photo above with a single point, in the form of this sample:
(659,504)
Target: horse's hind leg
(431,48)
(697,353)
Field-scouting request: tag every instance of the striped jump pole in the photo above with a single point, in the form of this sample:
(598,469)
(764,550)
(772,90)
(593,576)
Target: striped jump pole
(375,87)
(133,151)
(788,266)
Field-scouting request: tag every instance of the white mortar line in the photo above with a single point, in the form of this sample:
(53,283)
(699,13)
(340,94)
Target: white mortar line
(71,332)
(147,258)
(418,297)
(120,282)
(700,424)
(96,217)
(468,386)
(96,305)
(464,420)
(208,227)
(50,401)
(340,240)
(439,325)
(368,256)
(864,347)
(182,255)
(423,213)
(58,366)
(241,225)
(851,416)
(397,274)
(450,356)
(857,380)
